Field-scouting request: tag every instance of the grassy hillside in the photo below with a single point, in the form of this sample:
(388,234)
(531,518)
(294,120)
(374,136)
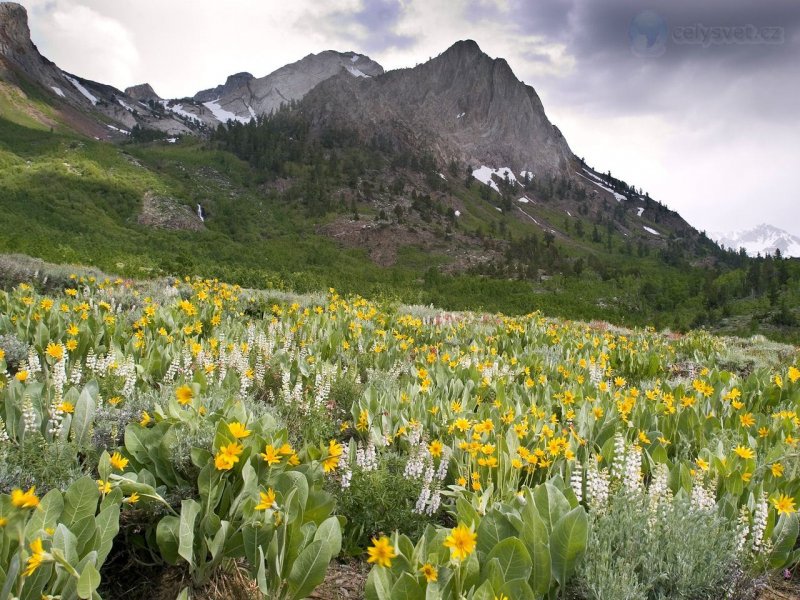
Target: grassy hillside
(302,215)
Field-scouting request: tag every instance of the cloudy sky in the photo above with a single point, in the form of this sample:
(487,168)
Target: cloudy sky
(697,103)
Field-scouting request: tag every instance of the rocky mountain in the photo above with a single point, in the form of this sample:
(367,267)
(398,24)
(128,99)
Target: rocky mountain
(245,96)
(461,105)
(763,239)
(105,112)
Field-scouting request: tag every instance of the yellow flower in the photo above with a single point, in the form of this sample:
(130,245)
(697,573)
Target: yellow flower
(702,464)
(238,430)
(777,470)
(461,541)
(184,395)
(72,344)
(794,374)
(747,420)
(27,499)
(784,504)
(270,455)
(381,552)
(267,499)
(286,450)
(118,462)
(431,573)
(103,486)
(435,448)
(21,376)
(55,351)
(132,499)
(72,329)
(3,521)
(35,559)
(332,462)
(744,452)
(228,456)
(66,407)
(146,419)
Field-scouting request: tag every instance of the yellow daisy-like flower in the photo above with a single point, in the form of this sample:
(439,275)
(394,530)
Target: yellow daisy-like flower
(744,452)
(55,351)
(271,455)
(794,374)
(27,499)
(784,504)
(777,470)
(431,573)
(238,430)
(35,559)
(335,452)
(132,499)
(184,394)
(66,407)
(435,448)
(146,419)
(381,552)
(702,464)
(267,499)
(228,456)
(118,461)
(21,376)
(461,541)
(103,486)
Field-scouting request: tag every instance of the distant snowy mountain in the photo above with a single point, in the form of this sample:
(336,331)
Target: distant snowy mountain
(762,239)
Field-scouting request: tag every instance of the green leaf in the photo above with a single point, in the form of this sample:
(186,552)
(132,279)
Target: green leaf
(83,416)
(518,590)
(80,505)
(515,562)
(46,515)
(330,533)
(568,543)
(407,588)
(189,511)
(551,504)
(308,571)
(167,538)
(784,537)
(534,536)
(107,529)
(88,582)
(484,592)
(493,529)
(379,584)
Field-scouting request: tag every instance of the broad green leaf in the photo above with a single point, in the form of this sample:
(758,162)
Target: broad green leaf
(46,515)
(407,588)
(167,538)
(515,562)
(83,416)
(518,590)
(331,533)
(189,511)
(308,571)
(88,582)
(784,537)
(568,543)
(494,528)
(379,584)
(107,529)
(550,503)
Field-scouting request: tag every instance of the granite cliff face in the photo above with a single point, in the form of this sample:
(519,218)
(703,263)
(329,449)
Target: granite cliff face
(245,96)
(461,105)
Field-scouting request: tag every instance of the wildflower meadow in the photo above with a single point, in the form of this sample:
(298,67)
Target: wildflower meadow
(194,428)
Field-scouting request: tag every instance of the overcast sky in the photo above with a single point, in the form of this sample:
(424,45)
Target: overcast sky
(697,103)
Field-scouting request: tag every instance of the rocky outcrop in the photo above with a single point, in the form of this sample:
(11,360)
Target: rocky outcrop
(461,105)
(163,212)
(143,92)
(245,96)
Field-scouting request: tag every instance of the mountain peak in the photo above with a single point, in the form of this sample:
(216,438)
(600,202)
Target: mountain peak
(465,47)
(142,92)
(15,34)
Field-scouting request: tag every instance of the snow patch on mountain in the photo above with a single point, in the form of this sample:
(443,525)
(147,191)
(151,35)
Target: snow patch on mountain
(222,115)
(762,239)
(58,91)
(87,94)
(484,175)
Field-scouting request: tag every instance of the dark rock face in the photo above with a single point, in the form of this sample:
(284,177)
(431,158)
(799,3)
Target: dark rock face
(461,105)
(142,92)
(231,85)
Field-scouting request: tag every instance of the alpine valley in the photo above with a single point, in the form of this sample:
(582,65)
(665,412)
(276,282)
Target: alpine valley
(441,184)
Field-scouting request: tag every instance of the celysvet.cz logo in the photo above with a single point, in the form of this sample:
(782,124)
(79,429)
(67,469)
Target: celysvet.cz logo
(649,35)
